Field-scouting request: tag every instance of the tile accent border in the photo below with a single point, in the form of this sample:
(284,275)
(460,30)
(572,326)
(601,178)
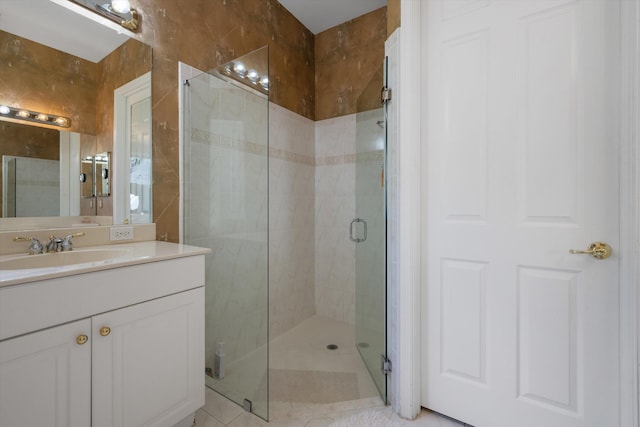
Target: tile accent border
(200,135)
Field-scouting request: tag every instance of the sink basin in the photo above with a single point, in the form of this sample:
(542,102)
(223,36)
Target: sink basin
(60,259)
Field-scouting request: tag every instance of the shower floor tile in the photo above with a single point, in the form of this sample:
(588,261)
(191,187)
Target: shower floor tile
(302,351)
(300,357)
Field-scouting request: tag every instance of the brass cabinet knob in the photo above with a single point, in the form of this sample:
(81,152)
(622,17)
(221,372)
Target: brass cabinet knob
(597,250)
(82,339)
(105,330)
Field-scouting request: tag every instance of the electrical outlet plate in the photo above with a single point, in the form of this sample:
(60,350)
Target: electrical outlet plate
(121,233)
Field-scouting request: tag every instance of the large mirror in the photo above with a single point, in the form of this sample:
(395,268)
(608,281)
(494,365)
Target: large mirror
(63,62)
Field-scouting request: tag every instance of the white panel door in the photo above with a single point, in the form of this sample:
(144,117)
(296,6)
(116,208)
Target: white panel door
(148,368)
(45,378)
(520,164)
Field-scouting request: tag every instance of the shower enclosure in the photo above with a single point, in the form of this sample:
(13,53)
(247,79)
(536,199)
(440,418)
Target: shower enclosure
(226,143)
(368,231)
(226,208)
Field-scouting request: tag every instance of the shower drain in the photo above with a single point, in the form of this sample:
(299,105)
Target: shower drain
(332,347)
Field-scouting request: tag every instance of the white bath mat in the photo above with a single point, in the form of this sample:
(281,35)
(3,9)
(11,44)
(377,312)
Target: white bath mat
(365,419)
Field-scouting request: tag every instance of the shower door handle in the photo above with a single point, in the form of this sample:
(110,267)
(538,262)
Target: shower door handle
(357,239)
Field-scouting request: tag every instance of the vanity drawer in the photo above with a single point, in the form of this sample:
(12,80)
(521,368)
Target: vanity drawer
(37,305)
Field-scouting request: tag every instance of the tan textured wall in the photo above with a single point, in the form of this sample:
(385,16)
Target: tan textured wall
(66,86)
(393,16)
(347,58)
(205,34)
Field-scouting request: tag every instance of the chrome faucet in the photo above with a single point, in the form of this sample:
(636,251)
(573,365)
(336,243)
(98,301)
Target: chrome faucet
(54,244)
(67,243)
(34,248)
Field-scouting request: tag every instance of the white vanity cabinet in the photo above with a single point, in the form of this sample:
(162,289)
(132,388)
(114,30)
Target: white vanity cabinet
(148,362)
(119,347)
(45,378)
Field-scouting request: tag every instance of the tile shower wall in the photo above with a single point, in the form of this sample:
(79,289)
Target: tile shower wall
(335,208)
(291,219)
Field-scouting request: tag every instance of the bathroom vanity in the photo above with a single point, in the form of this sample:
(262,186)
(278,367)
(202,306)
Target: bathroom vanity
(117,341)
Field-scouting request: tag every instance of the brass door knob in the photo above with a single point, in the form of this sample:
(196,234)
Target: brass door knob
(82,339)
(597,250)
(105,330)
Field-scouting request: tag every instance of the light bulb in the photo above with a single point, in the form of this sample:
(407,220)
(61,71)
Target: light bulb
(4,109)
(121,6)
(253,75)
(23,113)
(42,117)
(62,121)
(239,68)
(264,82)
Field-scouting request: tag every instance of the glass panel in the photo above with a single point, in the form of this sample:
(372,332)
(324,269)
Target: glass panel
(369,229)
(226,209)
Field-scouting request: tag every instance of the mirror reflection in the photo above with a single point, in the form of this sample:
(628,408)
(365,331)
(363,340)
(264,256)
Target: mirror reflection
(54,82)
(101,168)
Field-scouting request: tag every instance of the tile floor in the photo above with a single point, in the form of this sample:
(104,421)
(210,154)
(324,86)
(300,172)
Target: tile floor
(304,349)
(221,412)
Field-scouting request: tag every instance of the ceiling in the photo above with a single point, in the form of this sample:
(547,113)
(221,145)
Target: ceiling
(320,15)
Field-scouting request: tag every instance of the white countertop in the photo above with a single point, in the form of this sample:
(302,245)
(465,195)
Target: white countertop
(136,253)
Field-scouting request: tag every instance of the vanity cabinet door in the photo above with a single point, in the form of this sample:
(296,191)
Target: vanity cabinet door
(148,362)
(45,377)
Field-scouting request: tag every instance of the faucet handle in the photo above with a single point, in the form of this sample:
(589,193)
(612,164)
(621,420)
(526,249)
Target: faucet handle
(67,243)
(34,248)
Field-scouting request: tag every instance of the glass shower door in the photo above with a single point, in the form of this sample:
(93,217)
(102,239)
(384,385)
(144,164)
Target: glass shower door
(368,230)
(226,209)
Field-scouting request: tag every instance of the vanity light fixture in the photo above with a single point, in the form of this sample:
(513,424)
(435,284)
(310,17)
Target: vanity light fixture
(34,116)
(119,11)
(238,71)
